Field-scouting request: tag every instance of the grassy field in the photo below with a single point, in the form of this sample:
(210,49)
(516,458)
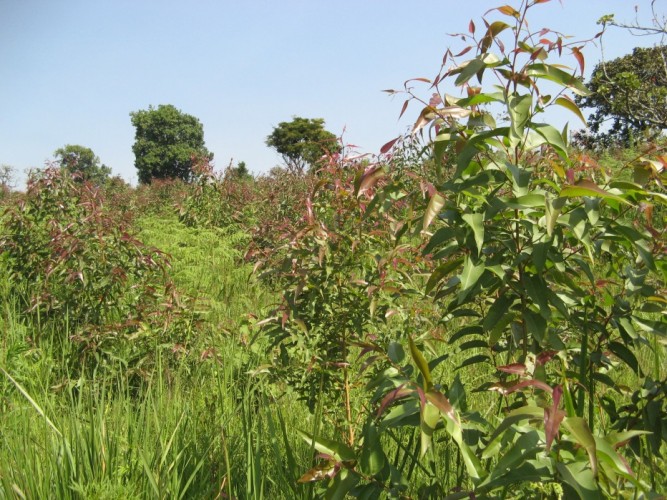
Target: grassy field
(325,372)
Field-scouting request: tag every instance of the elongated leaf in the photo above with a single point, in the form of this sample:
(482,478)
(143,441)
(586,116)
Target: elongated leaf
(625,354)
(435,204)
(476,222)
(553,417)
(394,395)
(581,479)
(579,430)
(421,363)
(336,449)
(372,458)
(494,30)
(519,107)
(387,147)
(470,69)
(442,271)
(557,75)
(454,429)
(586,187)
(430,416)
(552,136)
(369,179)
(471,273)
(498,309)
(343,482)
(569,104)
(521,413)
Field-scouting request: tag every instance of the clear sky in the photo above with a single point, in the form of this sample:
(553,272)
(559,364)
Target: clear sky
(71,71)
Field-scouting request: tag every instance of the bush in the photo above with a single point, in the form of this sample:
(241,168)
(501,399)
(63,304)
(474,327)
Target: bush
(78,270)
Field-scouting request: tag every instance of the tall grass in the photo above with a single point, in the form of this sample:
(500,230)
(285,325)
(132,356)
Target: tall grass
(207,429)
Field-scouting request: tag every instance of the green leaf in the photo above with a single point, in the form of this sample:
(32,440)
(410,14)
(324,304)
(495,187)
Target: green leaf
(343,482)
(476,222)
(454,429)
(625,354)
(578,428)
(421,363)
(442,271)
(552,137)
(372,458)
(471,273)
(519,107)
(430,416)
(581,479)
(340,451)
(521,413)
(569,104)
(471,68)
(498,309)
(395,352)
(557,75)
(442,235)
(524,448)
(589,188)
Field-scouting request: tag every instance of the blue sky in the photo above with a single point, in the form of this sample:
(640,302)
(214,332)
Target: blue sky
(71,71)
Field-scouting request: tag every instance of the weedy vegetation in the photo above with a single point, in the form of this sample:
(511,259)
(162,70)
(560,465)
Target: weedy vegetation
(476,312)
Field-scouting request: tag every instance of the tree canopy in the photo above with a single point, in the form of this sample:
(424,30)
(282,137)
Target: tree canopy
(630,94)
(83,161)
(302,142)
(167,143)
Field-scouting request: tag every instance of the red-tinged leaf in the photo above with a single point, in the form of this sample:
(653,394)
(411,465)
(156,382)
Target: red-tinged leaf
(419,79)
(515,368)
(559,43)
(501,45)
(446,56)
(435,100)
(385,149)
(506,388)
(464,51)
(425,117)
(441,402)
(544,357)
(471,27)
(553,417)
(320,472)
(405,106)
(399,393)
(576,51)
(545,41)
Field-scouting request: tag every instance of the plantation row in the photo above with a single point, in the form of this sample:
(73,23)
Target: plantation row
(477,312)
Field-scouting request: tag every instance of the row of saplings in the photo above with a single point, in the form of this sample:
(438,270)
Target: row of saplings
(463,318)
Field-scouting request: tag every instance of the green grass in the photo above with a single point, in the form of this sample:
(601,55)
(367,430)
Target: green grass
(212,426)
(204,430)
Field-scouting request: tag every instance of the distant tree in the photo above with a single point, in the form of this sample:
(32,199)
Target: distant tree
(629,98)
(83,161)
(241,171)
(167,143)
(6,179)
(302,142)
